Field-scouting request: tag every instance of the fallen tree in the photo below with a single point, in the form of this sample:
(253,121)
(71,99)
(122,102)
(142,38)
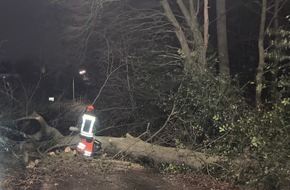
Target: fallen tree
(46,138)
(136,148)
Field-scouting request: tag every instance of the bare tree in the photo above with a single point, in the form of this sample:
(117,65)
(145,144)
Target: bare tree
(224,68)
(143,39)
(205,28)
(193,52)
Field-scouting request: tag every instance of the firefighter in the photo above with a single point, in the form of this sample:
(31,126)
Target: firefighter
(89,124)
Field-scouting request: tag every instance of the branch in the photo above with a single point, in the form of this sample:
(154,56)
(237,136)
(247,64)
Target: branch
(165,123)
(179,32)
(192,23)
(29,101)
(103,86)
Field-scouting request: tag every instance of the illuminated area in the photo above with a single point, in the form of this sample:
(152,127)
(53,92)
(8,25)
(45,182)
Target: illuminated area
(82,72)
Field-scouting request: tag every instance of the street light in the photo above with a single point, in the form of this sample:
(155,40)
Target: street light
(73,85)
(81,72)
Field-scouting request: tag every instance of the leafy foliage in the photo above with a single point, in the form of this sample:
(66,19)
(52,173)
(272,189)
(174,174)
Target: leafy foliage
(203,103)
(278,63)
(257,141)
(261,143)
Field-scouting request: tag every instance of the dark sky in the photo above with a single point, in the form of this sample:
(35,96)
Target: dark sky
(32,31)
(33,34)
(21,28)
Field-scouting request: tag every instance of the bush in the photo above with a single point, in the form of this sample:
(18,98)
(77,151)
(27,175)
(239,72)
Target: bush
(262,138)
(208,113)
(202,105)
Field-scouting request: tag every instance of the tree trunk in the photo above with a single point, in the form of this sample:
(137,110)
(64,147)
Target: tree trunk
(178,30)
(48,138)
(205,30)
(224,68)
(261,65)
(138,149)
(193,54)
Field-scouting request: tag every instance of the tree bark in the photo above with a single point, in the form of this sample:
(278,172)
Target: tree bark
(224,68)
(138,149)
(178,30)
(194,54)
(261,64)
(205,30)
(36,128)
(49,138)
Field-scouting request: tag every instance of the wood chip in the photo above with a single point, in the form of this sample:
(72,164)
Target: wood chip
(67,149)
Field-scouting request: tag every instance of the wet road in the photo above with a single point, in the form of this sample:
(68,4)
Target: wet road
(8,162)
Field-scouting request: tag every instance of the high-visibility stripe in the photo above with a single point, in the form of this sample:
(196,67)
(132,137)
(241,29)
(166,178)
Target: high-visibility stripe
(81,146)
(85,134)
(87,153)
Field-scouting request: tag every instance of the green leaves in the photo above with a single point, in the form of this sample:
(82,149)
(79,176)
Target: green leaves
(285,101)
(277,59)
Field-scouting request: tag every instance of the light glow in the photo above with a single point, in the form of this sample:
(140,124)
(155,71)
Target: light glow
(82,72)
(51,99)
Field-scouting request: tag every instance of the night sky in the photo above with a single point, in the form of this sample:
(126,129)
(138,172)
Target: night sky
(31,32)
(32,39)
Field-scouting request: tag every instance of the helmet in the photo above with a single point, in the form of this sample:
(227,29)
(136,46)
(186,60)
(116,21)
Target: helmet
(90,107)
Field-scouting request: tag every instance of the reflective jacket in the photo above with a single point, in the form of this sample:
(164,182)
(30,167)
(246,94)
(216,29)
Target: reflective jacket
(90,124)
